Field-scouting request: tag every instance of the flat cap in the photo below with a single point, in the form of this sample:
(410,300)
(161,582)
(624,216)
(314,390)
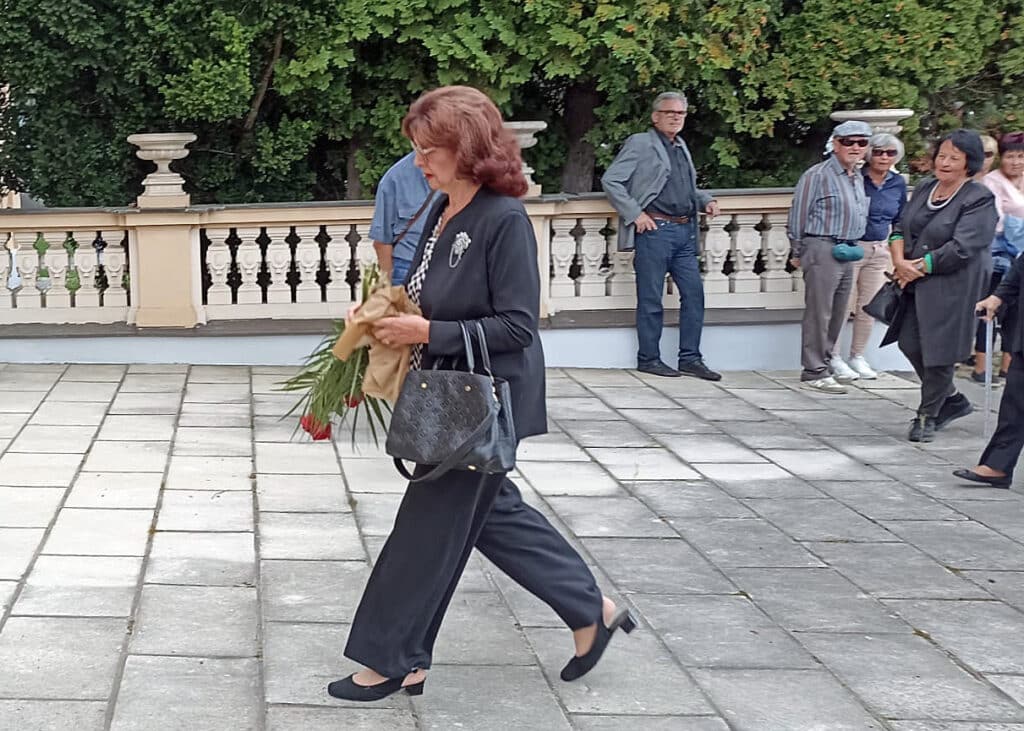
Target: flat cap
(852,128)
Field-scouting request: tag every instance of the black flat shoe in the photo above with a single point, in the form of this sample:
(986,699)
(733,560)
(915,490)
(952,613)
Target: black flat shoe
(347,689)
(922,429)
(955,407)
(580,665)
(657,368)
(972,476)
(698,369)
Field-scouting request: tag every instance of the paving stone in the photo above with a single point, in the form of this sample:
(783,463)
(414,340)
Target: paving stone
(648,723)
(612,688)
(290,718)
(821,465)
(115,490)
(94,372)
(202,621)
(895,570)
(903,676)
(936,480)
(312,591)
(369,474)
(986,635)
(631,397)
(202,559)
(683,388)
(872,450)
(887,501)
(606,434)
(7,589)
(60,657)
(591,409)
(375,512)
(219,415)
(203,441)
(197,694)
(81,586)
(709,448)
(297,459)
(953,726)
(158,368)
(642,464)
(273,404)
(72,391)
(815,600)
(551,447)
(19,401)
(477,699)
(961,544)
(17,547)
(302,494)
(688,499)
(778,399)
(827,423)
(756,480)
(138,427)
(210,473)
(667,422)
(22,470)
(720,631)
(217,393)
(819,520)
(790,700)
(276,429)
(609,517)
(27,381)
(96,532)
(128,457)
(725,409)
(744,543)
(479,629)
(29,507)
(331,536)
(1005,585)
(657,566)
(53,439)
(153,383)
(565,388)
(585,478)
(1004,517)
(56,413)
(202,510)
(780,436)
(607,377)
(1012,685)
(146,403)
(28,715)
(11,424)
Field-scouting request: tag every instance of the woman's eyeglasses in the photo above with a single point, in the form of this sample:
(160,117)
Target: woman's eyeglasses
(883,153)
(852,142)
(989,154)
(422,151)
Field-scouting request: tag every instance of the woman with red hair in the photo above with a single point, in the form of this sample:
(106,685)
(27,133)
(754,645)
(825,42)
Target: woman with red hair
(479,265)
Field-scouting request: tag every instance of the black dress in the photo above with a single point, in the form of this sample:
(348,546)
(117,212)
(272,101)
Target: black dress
(493,279)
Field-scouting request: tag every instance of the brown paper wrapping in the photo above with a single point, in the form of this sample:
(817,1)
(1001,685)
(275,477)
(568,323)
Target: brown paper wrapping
(388,365)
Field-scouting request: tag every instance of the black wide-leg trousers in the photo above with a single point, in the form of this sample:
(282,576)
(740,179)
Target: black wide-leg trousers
(1004,447)
(436,528)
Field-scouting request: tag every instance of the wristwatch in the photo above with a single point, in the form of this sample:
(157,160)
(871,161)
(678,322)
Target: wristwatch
(920,266)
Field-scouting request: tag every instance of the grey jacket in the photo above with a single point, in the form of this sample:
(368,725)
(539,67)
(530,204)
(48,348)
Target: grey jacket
(636,177)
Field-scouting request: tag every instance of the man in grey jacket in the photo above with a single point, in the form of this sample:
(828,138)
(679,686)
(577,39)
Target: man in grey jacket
(653,186)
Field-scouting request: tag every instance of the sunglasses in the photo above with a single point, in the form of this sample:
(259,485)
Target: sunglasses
(883,153)
(852,142)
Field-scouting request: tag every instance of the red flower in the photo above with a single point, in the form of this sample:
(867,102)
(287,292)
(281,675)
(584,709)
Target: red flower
(314,428)
(354,401)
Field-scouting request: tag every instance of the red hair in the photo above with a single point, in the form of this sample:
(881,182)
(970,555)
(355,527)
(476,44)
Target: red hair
(464,120)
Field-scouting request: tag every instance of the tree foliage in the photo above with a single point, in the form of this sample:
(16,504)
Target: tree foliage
(303,100)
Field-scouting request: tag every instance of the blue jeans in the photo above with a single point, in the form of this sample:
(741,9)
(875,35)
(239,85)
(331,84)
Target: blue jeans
(671,248)
(400,270)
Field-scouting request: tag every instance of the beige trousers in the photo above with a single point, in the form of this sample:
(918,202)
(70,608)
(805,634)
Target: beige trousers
(868,278)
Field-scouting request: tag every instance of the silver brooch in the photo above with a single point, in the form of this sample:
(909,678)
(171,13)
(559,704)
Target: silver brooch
(459,247)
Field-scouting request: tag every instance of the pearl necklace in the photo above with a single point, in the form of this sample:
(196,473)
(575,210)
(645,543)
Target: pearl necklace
(940,206)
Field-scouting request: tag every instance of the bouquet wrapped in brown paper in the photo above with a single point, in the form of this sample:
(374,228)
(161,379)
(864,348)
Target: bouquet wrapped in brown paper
(351,371)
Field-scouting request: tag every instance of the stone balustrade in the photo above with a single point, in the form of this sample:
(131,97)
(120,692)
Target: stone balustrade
(188,266)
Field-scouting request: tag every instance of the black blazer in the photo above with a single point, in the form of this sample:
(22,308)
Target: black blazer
(1012,312)
(497,282)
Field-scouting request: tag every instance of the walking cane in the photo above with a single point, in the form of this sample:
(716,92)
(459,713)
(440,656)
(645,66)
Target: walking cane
(989,337)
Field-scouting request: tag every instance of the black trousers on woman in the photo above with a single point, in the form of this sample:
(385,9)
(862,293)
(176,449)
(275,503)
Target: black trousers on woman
(1004,447)
(437,525)
(936,381)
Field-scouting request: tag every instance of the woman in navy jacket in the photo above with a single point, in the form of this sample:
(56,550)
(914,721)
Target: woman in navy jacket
(476,263)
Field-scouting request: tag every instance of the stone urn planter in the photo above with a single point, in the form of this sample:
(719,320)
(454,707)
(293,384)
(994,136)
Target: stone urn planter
(881,120)
(525,134)
(163,187)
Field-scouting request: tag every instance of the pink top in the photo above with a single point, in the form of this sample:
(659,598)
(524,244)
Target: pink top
(1009,195)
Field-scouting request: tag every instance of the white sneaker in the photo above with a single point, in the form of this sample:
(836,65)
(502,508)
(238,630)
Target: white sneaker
(841,371)
(825,385)
(860,365)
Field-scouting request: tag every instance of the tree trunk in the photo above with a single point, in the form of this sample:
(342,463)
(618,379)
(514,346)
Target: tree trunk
(581,99)
(353,188)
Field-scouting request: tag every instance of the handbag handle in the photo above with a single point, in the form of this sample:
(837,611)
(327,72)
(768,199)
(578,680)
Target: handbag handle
(467,346)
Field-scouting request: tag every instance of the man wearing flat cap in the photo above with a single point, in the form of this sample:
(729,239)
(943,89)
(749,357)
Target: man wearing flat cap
(826,220)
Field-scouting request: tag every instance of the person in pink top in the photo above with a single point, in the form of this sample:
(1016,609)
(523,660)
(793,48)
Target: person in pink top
(1007,184)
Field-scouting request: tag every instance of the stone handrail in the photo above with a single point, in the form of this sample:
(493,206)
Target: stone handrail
(179,267)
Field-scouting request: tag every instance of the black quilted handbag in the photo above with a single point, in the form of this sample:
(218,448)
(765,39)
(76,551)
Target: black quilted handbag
(451,419)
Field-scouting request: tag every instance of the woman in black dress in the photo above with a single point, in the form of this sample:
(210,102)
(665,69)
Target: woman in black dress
(940,252)
(478,264)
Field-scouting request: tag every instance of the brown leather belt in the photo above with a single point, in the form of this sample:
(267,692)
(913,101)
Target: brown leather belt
(670,219)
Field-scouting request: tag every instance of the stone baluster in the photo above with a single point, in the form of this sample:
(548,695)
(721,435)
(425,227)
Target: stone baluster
(593,247)
(776,254)
(27,257)
(115,294)
(307,259)
(563,251)
(366,255)
(57,261)
(6,300)
(249,259)
(744,255)
(218,264)
(87,264)
(279,262)
(337,257)
(717,244)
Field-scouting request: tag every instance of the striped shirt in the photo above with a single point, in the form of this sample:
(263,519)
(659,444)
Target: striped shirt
(828,202)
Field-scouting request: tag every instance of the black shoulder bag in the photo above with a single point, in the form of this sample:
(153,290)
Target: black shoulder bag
(452,419)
